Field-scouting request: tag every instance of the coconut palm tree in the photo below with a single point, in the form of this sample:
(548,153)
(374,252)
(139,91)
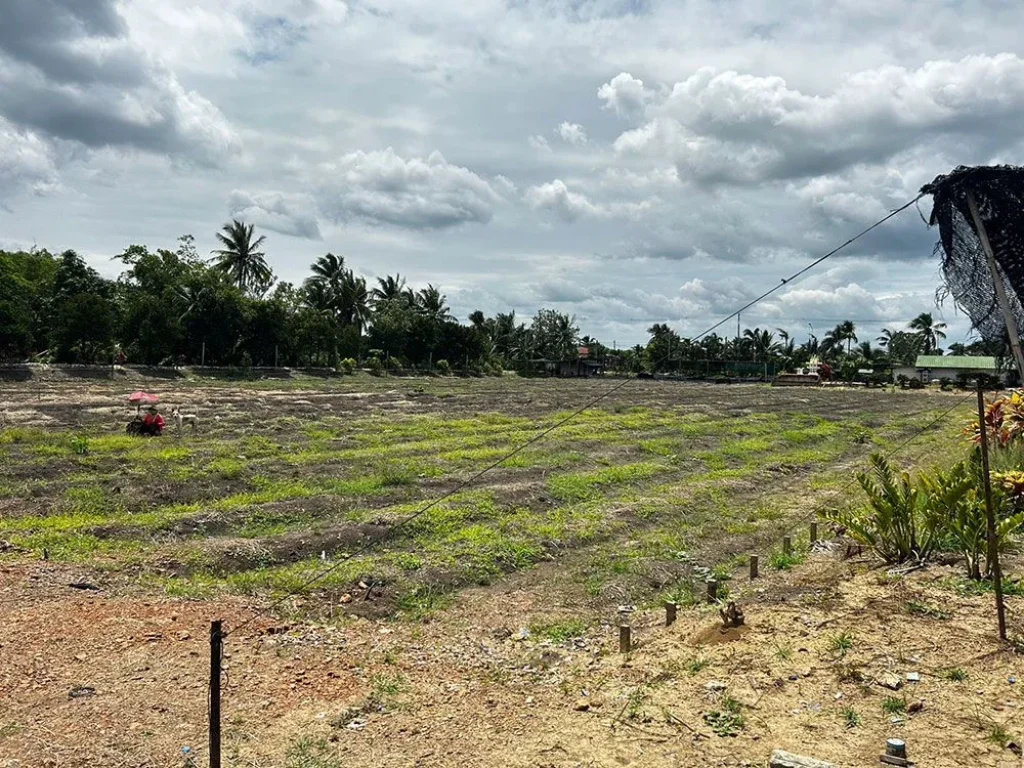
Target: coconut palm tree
(845,331)
(330,269)
(432,303)
(241,260)
(390,288)
(354,301)
(885,337)
(929,331)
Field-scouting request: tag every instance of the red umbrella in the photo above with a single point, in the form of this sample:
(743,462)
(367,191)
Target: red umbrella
(143,398)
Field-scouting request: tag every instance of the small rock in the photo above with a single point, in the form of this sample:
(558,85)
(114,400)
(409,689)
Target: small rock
(522,634)
(838,696)
(890,681)
(716,685)
(913,677)
(916,707)
(81,691)
(1011,680)
(346,598)
(582,705)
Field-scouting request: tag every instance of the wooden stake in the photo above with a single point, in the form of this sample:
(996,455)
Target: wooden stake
(753,567)
(997,282)
(216,652)
(787,545)
(814,532)
(993,546)
(625,642)
(670,614)
(712,591)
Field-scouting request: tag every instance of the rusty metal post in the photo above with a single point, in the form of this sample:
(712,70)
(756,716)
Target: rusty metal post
(753,567)
(670,614)
(216,653)
(993,544)
(625,641)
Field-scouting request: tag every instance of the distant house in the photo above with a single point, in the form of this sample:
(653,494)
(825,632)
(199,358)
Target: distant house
(932,367)
(582,366)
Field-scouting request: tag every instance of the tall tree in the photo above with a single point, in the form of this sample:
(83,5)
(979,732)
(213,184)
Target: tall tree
(844,332)
(432,303)
(391,288)
(241,260)
(929,331)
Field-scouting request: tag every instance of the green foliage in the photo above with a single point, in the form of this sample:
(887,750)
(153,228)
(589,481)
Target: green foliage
(840,644)
(953,674)
(782,561)
(902,519)
(375,366)
(559,631)
(850,717)
(918,608)
(347,366)
(728,720)
(80,445)
(894,705)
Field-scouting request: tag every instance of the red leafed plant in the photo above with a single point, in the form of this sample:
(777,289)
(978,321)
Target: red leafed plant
(1004,420)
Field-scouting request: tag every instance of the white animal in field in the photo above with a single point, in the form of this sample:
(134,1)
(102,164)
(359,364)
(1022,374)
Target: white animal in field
(180,419)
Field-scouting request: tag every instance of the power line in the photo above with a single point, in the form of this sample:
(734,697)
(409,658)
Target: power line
(539,436)
(786,280)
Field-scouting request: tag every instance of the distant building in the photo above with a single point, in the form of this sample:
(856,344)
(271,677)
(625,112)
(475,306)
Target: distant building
(933,367)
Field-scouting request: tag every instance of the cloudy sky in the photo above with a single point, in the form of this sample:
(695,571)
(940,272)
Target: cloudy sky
(627,161)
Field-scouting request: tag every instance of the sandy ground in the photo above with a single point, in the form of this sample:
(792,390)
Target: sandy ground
(92,679)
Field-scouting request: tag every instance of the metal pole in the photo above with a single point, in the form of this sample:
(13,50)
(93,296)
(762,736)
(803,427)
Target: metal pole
(997,283)
(993,547)
(216,650)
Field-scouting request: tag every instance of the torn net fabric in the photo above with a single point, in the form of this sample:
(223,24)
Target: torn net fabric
(999,195)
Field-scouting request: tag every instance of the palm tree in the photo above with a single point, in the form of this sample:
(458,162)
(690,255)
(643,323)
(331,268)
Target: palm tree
(330,269)
(886,337)
(929,331)
(845,331)
(354,300)
(389,288)
(763,342)
(432,303)
(241,260)
(320,297)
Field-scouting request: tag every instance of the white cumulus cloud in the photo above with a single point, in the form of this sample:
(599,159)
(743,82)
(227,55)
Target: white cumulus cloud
(572,133)
(419,193)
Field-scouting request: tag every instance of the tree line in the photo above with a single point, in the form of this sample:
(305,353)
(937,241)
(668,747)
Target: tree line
(177,307)
(841,347)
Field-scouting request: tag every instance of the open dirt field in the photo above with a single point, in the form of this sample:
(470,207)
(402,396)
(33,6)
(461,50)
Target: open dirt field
(478,634)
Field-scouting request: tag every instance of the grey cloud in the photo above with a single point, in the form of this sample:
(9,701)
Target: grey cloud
(728,127)
(289,214)
(26,163)
(69,71)
(419,193)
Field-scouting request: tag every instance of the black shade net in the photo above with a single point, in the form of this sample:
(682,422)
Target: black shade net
(999,195)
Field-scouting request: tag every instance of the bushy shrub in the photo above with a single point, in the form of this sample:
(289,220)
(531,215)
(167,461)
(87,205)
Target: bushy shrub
(443,367)
(901,519)
(80,445)
(496,369)
(347,366)
(375,366)
(909,519)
